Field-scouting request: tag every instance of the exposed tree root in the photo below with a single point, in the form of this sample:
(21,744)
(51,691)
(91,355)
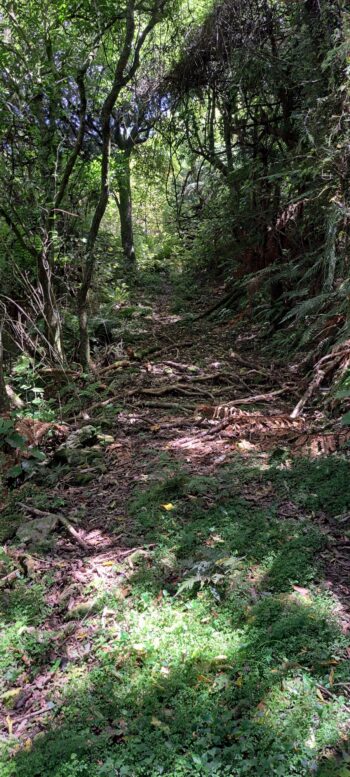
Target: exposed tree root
(337,362)
(62,519)
(232,296)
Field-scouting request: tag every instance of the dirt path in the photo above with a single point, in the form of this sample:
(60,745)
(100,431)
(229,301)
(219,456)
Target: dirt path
(162,454)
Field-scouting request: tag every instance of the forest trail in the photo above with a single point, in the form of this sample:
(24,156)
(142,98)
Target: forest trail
(174,388)
(191,616)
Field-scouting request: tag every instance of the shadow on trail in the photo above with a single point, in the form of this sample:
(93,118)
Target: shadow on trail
(201,716)
(232,676)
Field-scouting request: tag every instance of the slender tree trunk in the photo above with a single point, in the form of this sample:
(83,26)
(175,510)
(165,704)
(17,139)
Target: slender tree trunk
(4,400)
(52,317)
(89,259)
(84,341)
(125,212)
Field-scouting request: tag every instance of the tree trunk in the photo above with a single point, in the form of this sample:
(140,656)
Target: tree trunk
(4,400)
(125,211)
(84,341)
(89,259)
(51,313)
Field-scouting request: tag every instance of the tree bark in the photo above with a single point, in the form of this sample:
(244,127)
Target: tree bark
(124,203)
(53,330)
(84,340)
(4,400)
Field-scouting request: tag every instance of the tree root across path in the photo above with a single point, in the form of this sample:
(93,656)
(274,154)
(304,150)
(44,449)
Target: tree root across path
(61,519)
(337,361)
(228,299)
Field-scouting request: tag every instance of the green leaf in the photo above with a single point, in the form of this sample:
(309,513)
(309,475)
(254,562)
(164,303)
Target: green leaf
(346,419)
(189,584)
(343,393)
(5,425)
(15,471)
(37,454)
(16,440)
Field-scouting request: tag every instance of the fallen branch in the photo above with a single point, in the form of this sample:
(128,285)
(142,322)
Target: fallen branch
(208,377)
(129,551)
(308,393)
(330,695)
(248,363)
(179,366)
(15,400)
(118,365)
(35,714)
(153,392)
(62,519)
(257,398)
(230,297)
(60,371)
(167,405)
(214,430)
(170,387)
(95,406)
(10,578)
(156,350)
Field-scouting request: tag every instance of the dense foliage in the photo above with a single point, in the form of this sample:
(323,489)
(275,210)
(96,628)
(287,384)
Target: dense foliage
(239,129)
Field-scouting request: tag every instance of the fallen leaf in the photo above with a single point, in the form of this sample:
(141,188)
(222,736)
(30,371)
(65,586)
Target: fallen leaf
(9,697)
(304,592)
(311,741)
(246,445)
(202,679)
(159,724)
(222,681)
(169,506)
(139,648)
(81,634)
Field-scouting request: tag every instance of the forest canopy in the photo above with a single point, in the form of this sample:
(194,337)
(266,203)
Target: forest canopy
(214,136)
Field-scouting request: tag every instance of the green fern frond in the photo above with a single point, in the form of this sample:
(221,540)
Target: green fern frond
(307,308)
